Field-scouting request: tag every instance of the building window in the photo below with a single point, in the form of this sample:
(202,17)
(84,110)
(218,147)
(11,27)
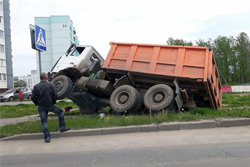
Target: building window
(2,62)
(1,34)
(1,48)
(2,77)
(1,5)
(1,19)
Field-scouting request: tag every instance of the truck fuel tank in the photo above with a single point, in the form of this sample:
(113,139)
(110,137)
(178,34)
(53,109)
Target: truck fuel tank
(99,87)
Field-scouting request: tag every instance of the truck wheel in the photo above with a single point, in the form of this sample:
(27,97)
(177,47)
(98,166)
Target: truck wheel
(159,97)
(139,105)
(124,98)
(63,86)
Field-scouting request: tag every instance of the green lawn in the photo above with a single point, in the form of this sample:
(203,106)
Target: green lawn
(82,122)
(16,111)
(78,121)
(236,99)
(228,100)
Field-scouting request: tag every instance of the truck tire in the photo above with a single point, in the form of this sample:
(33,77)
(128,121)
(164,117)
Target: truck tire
(139,105)
(63,86)
(159,97)
(124,98)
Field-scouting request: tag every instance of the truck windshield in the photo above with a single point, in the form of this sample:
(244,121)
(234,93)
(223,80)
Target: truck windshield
(77,51)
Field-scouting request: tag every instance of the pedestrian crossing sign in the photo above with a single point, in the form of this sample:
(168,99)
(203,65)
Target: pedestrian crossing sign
(40,38)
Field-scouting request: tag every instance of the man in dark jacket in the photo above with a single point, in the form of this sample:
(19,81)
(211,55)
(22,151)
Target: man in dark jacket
(44,95)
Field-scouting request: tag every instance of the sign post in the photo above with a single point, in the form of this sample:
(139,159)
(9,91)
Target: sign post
(38,41)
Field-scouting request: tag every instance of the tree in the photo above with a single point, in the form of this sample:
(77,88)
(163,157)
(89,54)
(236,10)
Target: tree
(181,42)
(202,42)
(20,83)
(224,54)
(243,55)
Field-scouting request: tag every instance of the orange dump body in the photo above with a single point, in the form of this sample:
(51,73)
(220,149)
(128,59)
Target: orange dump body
(146,64)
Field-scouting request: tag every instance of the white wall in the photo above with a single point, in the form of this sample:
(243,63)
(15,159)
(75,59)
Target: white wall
(240,88)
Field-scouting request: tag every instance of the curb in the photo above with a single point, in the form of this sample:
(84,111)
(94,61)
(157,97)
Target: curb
(203,124)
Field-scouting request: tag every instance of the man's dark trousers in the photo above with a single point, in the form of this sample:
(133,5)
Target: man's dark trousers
(43,112)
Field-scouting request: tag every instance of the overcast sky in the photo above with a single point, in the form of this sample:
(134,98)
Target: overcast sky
(97,22)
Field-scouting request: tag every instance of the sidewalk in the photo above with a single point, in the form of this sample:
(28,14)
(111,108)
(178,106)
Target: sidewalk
(8,121)
(12,103)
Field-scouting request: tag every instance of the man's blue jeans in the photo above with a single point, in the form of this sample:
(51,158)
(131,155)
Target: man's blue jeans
(43,112)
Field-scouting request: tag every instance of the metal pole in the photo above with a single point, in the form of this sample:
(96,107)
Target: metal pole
(40,66)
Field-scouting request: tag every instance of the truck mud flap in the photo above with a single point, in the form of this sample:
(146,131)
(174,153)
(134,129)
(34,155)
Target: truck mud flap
(178,97)
(124,80)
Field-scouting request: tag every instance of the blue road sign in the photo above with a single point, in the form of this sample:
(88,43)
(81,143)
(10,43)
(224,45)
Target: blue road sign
(40,38)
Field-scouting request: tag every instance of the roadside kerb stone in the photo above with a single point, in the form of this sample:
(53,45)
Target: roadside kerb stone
(232,122)
(168,126)
(31,136)
(197,125)
(116,130)
(34,136)
(149,128)
(85,132)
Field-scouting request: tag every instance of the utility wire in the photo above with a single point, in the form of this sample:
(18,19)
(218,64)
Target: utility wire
(222,77)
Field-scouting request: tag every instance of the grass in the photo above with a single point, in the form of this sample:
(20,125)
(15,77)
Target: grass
(236,99)
(228,99)
(16,111)
(78,121)
(94,121)
(21,110)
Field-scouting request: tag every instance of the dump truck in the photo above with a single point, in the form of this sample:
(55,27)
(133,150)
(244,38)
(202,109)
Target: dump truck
(136,77)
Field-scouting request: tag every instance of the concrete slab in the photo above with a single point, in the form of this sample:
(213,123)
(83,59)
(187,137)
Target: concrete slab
(116,130)
(232,122)
(28,136)
(197,125)
(168,126)
(85,132)
(149,128)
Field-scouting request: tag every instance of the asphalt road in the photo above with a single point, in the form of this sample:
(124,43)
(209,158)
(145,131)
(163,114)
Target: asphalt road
(228,147)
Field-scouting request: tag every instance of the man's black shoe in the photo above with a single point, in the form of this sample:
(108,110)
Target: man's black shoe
(64,129)
(47,140)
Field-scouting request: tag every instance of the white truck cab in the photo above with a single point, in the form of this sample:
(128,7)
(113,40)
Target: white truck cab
(78,61)
(79,57)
